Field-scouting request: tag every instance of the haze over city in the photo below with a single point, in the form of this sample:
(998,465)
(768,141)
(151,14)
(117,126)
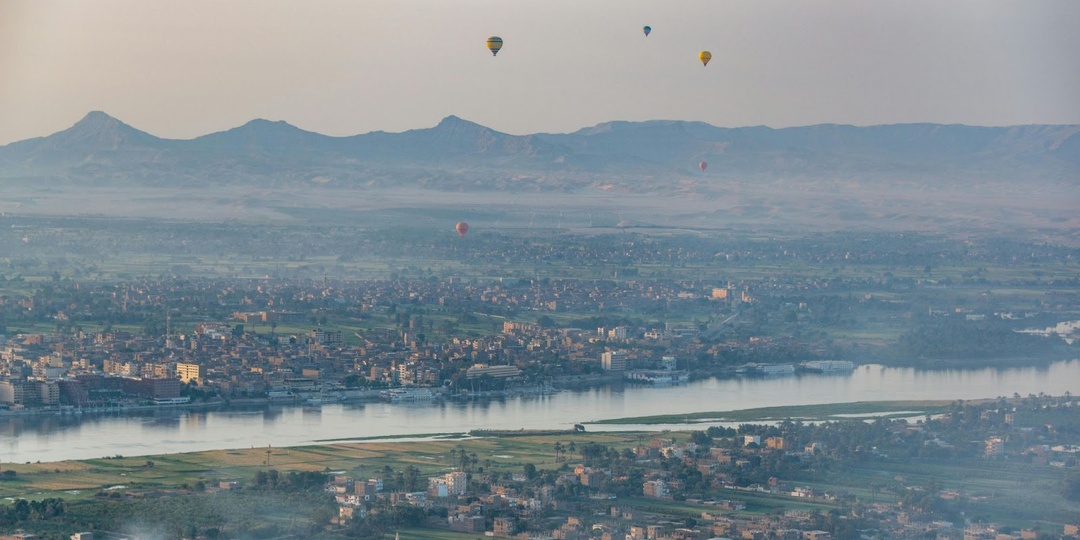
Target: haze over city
(576,270)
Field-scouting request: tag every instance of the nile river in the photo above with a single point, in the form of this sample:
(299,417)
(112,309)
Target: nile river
(54,438)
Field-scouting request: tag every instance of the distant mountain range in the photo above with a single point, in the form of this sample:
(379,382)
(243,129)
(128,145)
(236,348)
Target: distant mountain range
(459,155)
(1019,180)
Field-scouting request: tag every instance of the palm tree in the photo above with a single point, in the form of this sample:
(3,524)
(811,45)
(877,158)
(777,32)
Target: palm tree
(558,450)
(571,449)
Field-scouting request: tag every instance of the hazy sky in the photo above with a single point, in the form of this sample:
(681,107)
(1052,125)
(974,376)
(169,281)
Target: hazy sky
(180,69)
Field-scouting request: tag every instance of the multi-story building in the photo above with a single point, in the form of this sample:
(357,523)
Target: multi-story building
(49,392)
(73,392)
(48,372)
(29,392)
(656,488)
(152,388)
(448,485)
(119,367)
(188,372)
(669,363)
(326,337)
(18,392)
(406,373)
(479,370)
(510,327)
(157,371)
(503,527)
(613,361)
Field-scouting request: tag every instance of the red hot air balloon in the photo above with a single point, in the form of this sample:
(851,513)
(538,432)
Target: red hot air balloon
(462,228)
(703,166)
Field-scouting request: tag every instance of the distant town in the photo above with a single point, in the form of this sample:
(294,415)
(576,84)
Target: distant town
(315,341)
(222,361)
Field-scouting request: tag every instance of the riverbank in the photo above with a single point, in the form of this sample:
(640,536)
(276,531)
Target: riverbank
(316,399)
(972,363)
(814,413)
(119,409)
(607,380)
(150,432)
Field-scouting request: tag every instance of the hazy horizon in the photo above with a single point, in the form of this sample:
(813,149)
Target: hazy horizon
(437,122)
(181,70)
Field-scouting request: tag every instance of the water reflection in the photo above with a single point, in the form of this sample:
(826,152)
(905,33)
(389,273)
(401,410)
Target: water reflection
(50,438)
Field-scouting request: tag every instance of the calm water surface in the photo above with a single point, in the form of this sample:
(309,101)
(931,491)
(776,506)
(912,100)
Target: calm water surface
(55,438)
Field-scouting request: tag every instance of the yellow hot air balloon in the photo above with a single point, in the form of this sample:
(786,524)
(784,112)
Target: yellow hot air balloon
(494,43)
(704,56)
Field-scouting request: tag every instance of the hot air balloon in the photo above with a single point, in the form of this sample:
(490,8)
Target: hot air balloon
(462,228)
(703,166)
(704,56)
(647,29)
(494,43)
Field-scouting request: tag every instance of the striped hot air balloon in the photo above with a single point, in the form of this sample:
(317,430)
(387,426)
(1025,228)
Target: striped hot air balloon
(494,43)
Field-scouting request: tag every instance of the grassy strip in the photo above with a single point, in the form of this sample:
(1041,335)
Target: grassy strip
(432,534)
(80,480)
(440,436)
(804,412)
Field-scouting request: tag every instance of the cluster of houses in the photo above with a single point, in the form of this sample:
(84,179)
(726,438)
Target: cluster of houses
(77,369)
(121,368)
(505,505)
(526,508)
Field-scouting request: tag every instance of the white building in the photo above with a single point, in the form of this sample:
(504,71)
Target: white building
(448,485)
(619,332)
(613,361)
(479,370)
(669,363)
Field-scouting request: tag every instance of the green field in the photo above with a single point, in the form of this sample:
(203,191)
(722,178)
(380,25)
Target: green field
(80,479)
(429,534)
